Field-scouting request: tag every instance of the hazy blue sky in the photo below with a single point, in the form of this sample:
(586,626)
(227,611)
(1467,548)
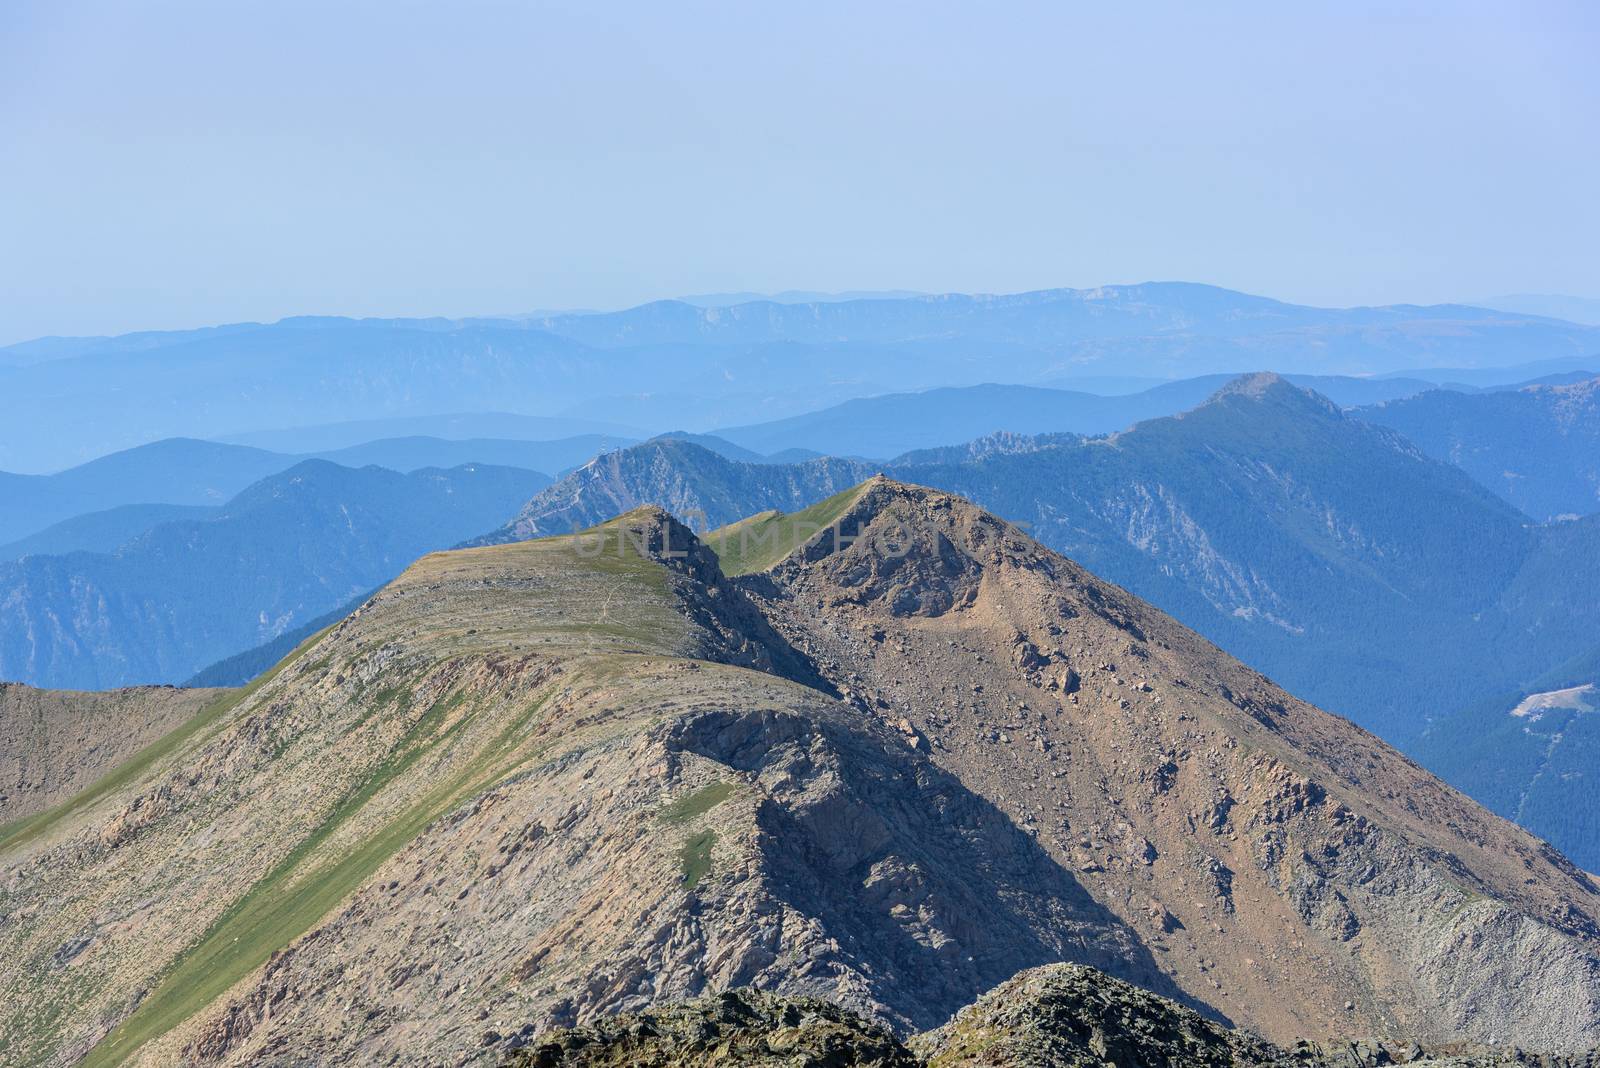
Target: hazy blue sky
(180,163)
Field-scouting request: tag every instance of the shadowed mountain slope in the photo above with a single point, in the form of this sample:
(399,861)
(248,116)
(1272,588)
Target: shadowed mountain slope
(1331,553)
(583,765)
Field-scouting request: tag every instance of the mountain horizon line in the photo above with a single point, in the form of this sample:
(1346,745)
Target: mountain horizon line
(717,301)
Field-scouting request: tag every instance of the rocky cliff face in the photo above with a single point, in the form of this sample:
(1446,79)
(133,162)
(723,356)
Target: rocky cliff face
(532,785)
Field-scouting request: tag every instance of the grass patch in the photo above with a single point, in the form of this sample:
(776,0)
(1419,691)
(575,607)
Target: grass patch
(695,858)
(698,803)
(764,540)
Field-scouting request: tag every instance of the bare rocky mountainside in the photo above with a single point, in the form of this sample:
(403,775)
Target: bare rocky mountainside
(58,743)
(1309,542)
(1362,574)
(887,754)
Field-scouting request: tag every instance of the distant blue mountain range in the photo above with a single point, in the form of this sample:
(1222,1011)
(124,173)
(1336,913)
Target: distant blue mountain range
(674,364)
(189,591)
(100,504)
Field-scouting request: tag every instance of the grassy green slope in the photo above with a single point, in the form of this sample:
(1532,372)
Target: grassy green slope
(762,540)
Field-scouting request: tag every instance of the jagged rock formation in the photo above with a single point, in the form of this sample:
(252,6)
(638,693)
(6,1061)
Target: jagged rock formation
(692,482)
(530,785)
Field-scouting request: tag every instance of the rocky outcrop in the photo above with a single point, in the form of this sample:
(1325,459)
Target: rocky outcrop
(1058,1016)
(741,1027)
(700,486)
(1073,1017)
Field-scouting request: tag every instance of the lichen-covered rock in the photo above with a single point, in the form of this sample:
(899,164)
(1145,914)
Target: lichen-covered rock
(1068,1016)
(1057,1016)
(738,1028)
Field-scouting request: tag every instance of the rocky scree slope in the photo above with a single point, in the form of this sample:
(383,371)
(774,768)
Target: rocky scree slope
(58,743)
(1363,575)
(1286,867)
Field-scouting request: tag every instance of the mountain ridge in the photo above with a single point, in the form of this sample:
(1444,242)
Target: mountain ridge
(284,549)
(748,361)
(1314,544)
(572,776)
(1537,447)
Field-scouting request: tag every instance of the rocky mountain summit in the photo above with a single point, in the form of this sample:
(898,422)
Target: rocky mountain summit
(1364,575)
(886,753)
(1288,869)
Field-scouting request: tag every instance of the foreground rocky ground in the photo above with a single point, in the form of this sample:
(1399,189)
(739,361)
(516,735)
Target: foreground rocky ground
(1057,1016)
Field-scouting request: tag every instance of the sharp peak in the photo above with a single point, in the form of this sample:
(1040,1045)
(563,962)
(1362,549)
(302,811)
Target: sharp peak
(1261,386)
(930,508)
(643,516)
(881,489)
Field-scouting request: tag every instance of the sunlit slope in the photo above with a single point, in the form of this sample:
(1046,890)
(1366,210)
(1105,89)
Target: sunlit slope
(759,542)
(174,877)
